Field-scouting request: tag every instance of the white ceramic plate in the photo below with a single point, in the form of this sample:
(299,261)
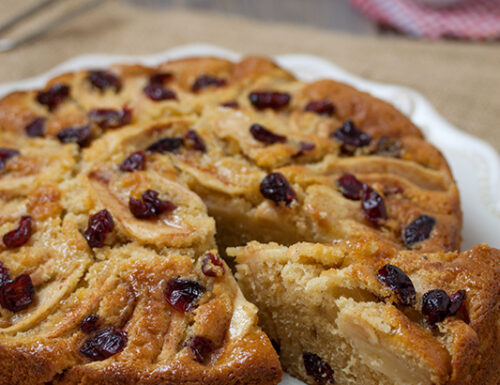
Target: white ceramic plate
(475,164)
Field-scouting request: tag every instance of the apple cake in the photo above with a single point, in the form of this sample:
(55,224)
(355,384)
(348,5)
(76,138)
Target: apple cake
(121,188)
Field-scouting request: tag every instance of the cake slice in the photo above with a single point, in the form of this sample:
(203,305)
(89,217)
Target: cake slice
(367,313)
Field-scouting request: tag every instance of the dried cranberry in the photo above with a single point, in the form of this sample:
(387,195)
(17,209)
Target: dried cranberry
(435,306)
(318,369)
(388,146)
(109,118)
(166,145)
(21,235)
(204,81)
(150,206)
(35,128)
(5,155)
(276,188)
(158,92)
(304,148)
(54,96)
(231,104)
(100,224)
(456,302)
(418,230)
(307,146)
(134,162)
(263,135)
(4,274)
(103,80)
(396,279)
(212,266)
(201,347)
(89,323)
(105,344)
(160,78)
(350,187)
(269,99)
(182,294)
(321,107)
(373,206)
(194,141)
(80,135)
(351,137)
(18,294)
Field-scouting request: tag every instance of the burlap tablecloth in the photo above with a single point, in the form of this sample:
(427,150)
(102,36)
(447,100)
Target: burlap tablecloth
(462,80)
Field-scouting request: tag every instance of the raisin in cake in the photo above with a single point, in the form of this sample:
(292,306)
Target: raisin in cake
(364,312)
(117,186)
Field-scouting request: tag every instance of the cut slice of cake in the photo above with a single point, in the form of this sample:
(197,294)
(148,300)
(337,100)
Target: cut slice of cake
(367,313)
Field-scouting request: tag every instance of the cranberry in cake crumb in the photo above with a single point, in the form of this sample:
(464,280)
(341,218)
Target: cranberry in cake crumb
(435,306)
(194,141)
(100,224)
(134,162)
(269,99)
(264,135)
(166,145)
(212,266)
(80,135)
(321,107)
(419,230)
(5,155)
(457,305)
(160,78)
(389,146)
(18,294)
(102,80)
(396,280)
(201,347)
(109,118)
(89,323)
(456,301)
(54,96)
(20,235)
(276,188)
(204,81)
(150,206)
(307,146)
(104,344)
(157,92)
(231,104)
(4,274)
(183,294)
(373,206)
(35,128)
(318,369)
(304,148)
(350,187)
(351,136)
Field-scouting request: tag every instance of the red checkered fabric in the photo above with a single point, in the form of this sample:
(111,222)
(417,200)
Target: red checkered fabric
(469,19)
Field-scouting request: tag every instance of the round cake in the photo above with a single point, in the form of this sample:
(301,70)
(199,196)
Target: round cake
(121,189)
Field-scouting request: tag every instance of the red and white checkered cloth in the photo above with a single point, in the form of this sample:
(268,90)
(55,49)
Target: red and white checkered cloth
(469,19)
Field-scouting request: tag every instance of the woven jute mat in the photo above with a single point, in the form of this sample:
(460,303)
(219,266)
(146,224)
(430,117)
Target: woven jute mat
(462,80)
